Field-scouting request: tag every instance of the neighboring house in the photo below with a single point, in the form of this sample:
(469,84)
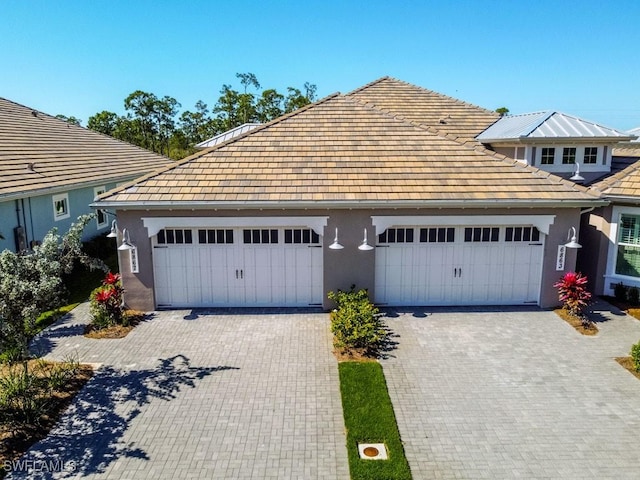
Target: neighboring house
(561,144)
(228,135)
(611,234)
(384,188)
(51,171)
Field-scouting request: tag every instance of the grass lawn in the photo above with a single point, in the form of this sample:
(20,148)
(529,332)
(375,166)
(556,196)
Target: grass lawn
(369,417)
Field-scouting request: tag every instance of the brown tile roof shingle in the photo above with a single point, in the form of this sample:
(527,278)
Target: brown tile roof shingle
(343,150)
(61,154)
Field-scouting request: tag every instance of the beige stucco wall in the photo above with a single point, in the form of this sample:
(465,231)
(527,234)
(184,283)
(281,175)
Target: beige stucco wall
(342,268)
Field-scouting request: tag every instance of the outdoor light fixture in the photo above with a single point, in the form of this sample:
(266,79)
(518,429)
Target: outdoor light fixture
(576,176)
(573,242)
(335,245)
(114,230)
(126,241)
(364,245)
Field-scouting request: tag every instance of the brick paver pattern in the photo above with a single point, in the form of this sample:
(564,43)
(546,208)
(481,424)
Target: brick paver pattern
(514,394)
(220,394)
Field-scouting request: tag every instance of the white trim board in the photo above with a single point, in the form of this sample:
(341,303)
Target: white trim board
(155,224)
(541,222)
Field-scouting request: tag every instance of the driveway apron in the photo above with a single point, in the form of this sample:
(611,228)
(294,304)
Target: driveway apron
(483,394)
(196,394)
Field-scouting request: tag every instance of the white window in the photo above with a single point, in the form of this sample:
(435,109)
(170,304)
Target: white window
(101,216)
(61,206)
(568,155)
(547,156)
(590,155)
(628,254)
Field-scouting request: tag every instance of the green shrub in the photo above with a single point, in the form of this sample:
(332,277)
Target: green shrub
(355,323)
(620,292)
(26,394)
(635,356)
(633,296)
(106,306)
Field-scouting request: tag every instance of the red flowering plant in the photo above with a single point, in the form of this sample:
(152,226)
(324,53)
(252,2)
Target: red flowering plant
(106,306)
(572,292)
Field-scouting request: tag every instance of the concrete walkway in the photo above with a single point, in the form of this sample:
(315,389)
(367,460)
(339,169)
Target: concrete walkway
(482,394)
(194,395)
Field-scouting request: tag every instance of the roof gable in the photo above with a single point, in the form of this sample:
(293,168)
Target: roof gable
(343,151)
(38,152)
(548,125)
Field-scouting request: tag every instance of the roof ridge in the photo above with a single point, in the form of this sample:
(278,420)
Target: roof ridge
(418,87)
(213,148)
(476,146)
(370,84)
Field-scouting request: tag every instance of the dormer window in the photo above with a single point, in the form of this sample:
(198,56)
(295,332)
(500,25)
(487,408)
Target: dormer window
(568,155)
(548,154)
(590,155)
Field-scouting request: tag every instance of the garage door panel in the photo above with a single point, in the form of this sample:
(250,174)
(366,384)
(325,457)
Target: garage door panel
(238,273)
(479,268)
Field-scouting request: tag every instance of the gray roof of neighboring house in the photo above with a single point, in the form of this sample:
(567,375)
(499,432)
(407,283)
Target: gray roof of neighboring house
(228,135)
(548,125)
(39,152)
(636,132)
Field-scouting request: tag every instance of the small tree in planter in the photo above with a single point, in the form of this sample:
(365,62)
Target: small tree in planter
(106,305)
(572,292)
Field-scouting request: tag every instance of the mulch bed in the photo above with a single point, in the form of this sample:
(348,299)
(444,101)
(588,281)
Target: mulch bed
(627,363)
(14,445)
(134,318)
(576,322)
(354,355)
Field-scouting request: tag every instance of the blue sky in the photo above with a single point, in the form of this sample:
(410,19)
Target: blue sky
(81,57)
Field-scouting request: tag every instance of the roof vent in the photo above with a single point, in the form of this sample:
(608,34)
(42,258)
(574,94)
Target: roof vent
(31,167)
(34,113)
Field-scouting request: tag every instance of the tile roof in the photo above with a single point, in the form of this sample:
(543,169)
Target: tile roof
(344,150)
(548,125)
(425,107)
(39,152)
(625,182)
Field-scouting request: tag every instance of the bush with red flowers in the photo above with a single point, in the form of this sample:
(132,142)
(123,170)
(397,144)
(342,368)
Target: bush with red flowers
(106,306)
(572,292)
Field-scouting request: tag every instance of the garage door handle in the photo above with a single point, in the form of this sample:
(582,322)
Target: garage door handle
(459,273)
(236,273)
(241,273)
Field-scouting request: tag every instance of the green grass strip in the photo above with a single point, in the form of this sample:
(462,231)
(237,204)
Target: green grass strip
(369,417)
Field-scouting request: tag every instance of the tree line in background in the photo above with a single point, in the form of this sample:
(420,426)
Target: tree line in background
(153,123)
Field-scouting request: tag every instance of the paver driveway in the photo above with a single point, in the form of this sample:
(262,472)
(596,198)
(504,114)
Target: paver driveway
(195,396)
(514,394)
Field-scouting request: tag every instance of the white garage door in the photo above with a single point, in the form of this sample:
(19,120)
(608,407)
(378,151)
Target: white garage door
(231,267)
(459,265)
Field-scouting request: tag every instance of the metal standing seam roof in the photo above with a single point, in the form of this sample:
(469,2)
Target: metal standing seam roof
(548,125)
(344,150)
(40,152)
(228,135)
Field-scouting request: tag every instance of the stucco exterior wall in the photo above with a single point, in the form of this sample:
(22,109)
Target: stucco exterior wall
(346,267)
(595,228)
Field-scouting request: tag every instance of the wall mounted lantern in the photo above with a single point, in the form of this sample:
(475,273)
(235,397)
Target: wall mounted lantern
(576,176)
(126,241)
(365,245)
(336,245)
(114,230)
(573,243)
